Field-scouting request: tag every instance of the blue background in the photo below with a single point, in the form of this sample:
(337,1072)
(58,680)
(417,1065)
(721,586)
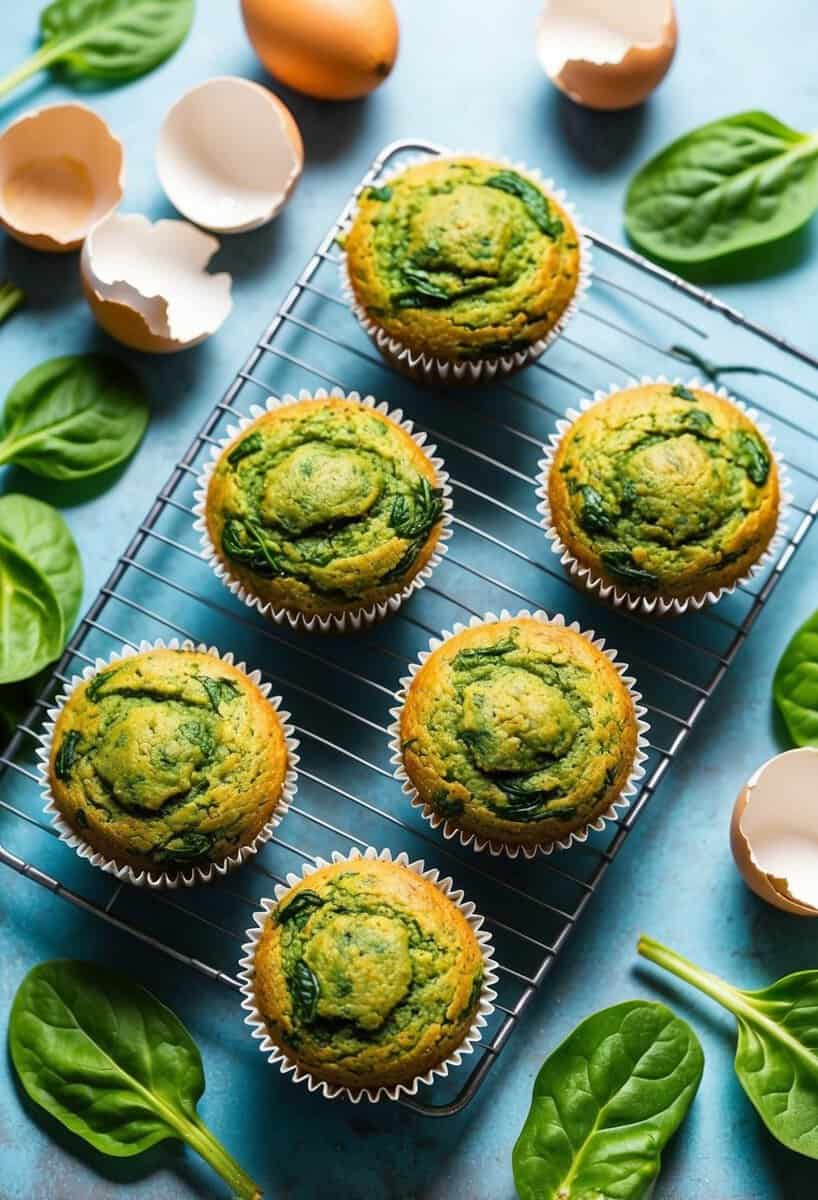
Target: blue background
(466,76)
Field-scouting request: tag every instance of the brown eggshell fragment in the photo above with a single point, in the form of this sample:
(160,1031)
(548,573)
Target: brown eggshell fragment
(774,832)
(229,154)
(330,49)
(607,54)
(61,171)
(147,283)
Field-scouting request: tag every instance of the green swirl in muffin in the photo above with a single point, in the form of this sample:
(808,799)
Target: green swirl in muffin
(665,490)
(518,731)
(462,259)
(324,506)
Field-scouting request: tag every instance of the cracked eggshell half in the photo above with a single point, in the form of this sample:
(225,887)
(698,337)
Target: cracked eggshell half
(61,171)
(774,832)
(607,54)
(147,284)
(229,154)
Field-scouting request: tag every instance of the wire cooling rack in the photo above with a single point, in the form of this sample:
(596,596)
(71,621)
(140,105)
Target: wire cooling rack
(638,320)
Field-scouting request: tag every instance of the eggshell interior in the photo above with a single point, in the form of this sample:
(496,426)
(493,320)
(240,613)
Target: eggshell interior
(61,171)
(229,154)
(606,55)
(779,823)
(154,281)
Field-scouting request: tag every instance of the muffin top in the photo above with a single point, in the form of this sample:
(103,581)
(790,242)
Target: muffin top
(665,487)
(367,974)
(518,730)
(166,758)
(324,505)
(462,258)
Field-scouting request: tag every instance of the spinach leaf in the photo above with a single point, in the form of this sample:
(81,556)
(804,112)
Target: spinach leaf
(777,1052)
(98,683)
(751,455)
(244,542)
(605,1104)
(795,684)
(727,186)
(594,517)
(249,445)
(112,1064)
(73,417)
(66,756)
(620,564)
(682,393)
(533,199)
(32,632)
(464,660)
(11,298)
(38,531)
(111,40)
(697,420)
(379,193)
(305,990)
(303,902)
(218,690)
(413,517)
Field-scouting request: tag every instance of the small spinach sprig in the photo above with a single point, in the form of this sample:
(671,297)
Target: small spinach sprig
(111,40)
(113,1064)
(605,1104)
(776,1056)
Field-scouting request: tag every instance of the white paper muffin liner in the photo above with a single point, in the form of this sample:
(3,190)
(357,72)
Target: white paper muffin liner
(427,367)
(355,619)
(300,1074)
(634,601)
(449,827)
(205,872)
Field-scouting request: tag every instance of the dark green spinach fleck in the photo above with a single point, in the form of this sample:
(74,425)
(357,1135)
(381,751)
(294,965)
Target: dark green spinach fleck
(751,455)
(594,517)
(305,991)
(682,393)
(301,904)
(620,564)
(247,446)
(535,202)
(66,756)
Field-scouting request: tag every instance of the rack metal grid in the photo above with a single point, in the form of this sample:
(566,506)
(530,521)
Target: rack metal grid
(340,688)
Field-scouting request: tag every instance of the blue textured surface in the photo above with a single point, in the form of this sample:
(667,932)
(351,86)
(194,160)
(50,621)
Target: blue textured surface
(466,77)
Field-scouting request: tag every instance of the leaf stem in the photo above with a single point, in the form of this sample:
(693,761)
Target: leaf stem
(47,54)
(199,1137)
(682,968)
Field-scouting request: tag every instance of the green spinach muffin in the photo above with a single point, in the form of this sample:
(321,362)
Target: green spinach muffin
(518,732)
(462,259)
(367,975)
(167,759)
(324,507)
(664,490)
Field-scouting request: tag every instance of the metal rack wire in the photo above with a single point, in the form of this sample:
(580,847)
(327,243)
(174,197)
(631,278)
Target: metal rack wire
(340,689)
